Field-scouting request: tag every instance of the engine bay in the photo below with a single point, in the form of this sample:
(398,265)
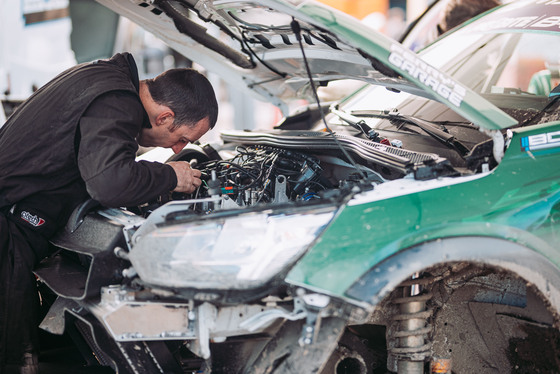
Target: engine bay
(283,167)
(269,175)
(265,174)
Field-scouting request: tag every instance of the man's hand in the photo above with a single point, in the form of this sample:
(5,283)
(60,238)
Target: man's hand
(188,179)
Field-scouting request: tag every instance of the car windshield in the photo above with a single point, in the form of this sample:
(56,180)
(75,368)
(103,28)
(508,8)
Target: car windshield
(513,70)
(496,63)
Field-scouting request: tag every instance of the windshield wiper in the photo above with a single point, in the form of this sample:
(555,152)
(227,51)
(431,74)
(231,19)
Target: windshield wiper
(428,127)
(356,123)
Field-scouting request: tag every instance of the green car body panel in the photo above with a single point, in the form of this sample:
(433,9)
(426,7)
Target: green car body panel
(500,204)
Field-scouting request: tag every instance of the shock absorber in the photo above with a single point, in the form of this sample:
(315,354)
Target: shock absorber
(411,343)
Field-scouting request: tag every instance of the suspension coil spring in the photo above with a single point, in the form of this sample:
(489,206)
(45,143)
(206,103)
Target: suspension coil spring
(411,344)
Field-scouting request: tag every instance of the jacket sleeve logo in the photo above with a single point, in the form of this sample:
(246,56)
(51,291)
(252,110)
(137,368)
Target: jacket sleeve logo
(32,219)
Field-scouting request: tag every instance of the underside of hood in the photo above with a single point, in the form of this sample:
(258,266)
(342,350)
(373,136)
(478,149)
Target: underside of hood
(255,45)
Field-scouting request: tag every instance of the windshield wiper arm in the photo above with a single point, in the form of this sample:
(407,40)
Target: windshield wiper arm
(428,127)
(356,123)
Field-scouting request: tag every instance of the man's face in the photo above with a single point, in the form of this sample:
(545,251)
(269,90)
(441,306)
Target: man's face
(168,136)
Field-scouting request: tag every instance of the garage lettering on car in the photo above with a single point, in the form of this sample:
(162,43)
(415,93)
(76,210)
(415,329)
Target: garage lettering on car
(418,69)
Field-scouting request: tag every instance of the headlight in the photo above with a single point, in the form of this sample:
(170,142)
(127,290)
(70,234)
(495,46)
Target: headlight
(240,252)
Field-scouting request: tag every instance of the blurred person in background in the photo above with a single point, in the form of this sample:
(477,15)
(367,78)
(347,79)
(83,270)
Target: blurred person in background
(395,24)
(441,17)
(544,81)
(458,11)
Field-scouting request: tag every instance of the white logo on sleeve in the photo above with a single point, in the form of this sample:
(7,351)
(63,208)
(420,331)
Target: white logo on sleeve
(32,219)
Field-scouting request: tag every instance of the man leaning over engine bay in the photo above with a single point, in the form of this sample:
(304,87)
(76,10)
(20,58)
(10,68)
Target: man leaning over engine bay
(76,138)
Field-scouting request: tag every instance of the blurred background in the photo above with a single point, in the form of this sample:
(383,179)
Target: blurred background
(40,38)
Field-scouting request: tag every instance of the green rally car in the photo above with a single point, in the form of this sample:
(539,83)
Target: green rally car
(411,227)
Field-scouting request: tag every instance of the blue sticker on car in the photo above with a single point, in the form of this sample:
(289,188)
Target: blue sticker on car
(540,141)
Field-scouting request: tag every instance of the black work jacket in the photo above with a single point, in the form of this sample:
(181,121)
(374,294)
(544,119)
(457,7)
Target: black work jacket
(76,137)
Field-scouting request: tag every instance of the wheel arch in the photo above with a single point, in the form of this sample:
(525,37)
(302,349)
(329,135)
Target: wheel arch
(377,283)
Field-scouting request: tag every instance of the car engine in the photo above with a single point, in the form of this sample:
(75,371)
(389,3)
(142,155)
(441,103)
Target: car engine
(261,168)
(259,174)
(265,174)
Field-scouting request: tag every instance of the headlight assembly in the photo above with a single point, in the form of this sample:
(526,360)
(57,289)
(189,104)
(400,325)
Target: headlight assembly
(239,252)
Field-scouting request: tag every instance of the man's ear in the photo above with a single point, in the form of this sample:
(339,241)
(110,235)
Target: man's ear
(165,118)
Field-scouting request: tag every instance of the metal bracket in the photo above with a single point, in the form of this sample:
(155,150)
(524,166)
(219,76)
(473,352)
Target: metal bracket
(280,189)
(313,304)
(259,320)
(206,316)
(498,140)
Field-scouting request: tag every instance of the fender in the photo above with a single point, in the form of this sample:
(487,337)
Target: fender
(532,266)
(90,240)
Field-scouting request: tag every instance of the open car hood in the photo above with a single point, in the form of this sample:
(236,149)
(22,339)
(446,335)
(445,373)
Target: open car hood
(251,44)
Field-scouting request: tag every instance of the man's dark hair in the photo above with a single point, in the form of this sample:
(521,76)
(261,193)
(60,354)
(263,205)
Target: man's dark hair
(459,11)
(187,93)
